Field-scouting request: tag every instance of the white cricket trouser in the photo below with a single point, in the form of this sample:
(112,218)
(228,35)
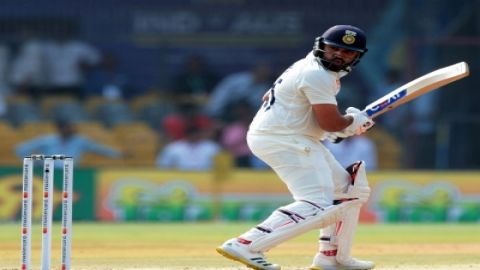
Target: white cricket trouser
(308,169)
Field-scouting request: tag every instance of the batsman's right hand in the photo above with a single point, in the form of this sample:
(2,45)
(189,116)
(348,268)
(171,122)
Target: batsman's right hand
(361,122)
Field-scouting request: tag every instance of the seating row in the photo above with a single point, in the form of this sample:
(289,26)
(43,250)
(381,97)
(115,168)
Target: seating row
(138,141)
(147,109)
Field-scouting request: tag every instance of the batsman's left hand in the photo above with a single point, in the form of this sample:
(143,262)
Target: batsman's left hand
(334,137)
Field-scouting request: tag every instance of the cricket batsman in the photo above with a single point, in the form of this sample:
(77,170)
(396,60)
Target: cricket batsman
(299,111)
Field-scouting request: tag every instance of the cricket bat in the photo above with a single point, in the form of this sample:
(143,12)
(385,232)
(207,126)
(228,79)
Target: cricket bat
(415,88)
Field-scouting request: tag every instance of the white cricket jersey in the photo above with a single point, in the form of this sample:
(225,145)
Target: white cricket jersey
(289,108)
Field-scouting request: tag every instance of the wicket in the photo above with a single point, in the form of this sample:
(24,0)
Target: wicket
(47,209)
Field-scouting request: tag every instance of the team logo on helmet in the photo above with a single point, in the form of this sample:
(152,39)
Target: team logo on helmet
(349,37)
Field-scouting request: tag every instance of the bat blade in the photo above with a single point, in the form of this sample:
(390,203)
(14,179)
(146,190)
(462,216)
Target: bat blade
(416,88)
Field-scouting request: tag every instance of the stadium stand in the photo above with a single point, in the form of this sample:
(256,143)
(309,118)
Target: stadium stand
(68,107)
(96,131)
(141,143)
(21,109)
(9,137)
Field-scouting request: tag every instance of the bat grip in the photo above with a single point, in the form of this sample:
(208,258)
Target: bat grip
(365,111)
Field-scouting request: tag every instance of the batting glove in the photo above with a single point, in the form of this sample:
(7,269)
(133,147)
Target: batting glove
(361,123)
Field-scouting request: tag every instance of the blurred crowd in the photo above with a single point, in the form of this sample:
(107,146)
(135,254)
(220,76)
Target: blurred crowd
(198,115)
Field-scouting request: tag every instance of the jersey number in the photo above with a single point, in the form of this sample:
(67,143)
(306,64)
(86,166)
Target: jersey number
(271,97)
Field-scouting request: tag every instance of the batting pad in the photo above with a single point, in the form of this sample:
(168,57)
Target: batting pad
(341,236)
(288,229)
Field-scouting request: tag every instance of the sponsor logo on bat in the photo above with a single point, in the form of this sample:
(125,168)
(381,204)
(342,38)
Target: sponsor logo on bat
(385,103)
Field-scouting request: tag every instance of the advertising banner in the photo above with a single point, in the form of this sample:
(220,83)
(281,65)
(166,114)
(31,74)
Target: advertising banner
(172,196)
(438,196)
(250,195)
(119,194)
(11,194)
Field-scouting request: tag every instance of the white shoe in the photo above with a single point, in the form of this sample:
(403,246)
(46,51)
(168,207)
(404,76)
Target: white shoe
(234,250)
(323,262)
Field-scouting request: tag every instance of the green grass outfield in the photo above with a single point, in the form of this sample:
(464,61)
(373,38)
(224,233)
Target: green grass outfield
(190,246)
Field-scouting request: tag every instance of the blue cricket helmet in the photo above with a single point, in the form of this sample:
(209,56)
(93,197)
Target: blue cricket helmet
(342,36)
